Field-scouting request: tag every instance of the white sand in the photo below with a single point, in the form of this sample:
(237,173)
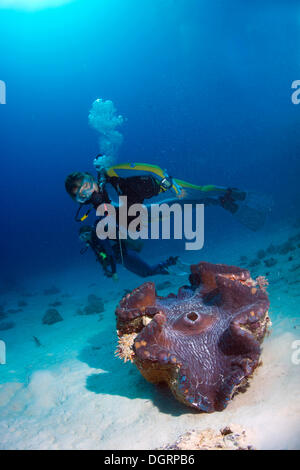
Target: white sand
(72,393)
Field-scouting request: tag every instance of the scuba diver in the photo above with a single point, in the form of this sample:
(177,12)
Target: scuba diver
(141,181)
(109,255)
(85,189)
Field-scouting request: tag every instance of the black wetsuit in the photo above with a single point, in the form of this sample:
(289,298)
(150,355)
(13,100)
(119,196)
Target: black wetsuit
(136,188)
(109,254)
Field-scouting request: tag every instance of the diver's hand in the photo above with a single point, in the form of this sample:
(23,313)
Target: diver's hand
(113,276)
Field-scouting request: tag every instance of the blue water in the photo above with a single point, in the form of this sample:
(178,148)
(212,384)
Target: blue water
(205,87)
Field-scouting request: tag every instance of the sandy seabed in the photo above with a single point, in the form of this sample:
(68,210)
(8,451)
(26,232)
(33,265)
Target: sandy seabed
(70,392)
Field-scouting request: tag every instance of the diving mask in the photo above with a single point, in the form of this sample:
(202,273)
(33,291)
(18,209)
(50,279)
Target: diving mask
(85,190)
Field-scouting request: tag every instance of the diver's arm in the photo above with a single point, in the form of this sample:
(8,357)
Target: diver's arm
(229,200)
(110,269)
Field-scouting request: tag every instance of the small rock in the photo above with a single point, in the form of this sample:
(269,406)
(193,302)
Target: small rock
(261,254)
(14,310)
(294,238)
(294,268)
(27,294)
(8,325)
(88,310)
(163,285)
(297,223)
(286,248)
(51,316)
(254,263)
(95,305)
(91,310)
(272,249)
(270,262)
(232,437)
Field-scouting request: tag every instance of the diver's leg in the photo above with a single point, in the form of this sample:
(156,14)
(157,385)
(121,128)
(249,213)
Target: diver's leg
(247,207)
(138,266)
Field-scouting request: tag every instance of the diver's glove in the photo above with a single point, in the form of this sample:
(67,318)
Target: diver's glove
(171,261)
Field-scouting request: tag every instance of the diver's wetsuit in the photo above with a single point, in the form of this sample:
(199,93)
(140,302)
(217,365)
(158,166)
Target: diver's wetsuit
(109,256)
(104,254)
(108,253)
(139,188)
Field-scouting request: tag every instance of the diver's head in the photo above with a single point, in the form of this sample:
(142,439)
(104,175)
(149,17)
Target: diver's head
(80,186)
(85,233)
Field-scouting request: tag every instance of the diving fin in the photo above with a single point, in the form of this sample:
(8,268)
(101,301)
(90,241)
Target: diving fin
(253,211)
